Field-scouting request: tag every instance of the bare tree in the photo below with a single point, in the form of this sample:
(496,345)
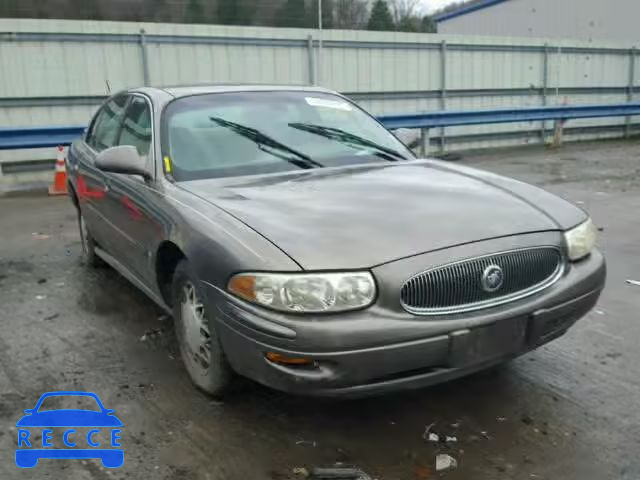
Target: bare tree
(351,14)
(402,10)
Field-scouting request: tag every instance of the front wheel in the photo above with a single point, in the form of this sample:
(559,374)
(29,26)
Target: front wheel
(199,344)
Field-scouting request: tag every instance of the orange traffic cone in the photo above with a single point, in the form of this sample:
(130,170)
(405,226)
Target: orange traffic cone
(59,186)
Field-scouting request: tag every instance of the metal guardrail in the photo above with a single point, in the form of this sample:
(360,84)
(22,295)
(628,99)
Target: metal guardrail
(40,137)
(451,118)
(560,114)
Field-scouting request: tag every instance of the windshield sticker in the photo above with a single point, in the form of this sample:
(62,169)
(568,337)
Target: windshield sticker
(324,103)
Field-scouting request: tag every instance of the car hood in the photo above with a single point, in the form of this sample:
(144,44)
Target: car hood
(362,216)
(69,418)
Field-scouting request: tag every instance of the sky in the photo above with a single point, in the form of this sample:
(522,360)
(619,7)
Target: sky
(431,5)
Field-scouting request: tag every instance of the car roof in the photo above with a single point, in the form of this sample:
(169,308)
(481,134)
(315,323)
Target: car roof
(188,90)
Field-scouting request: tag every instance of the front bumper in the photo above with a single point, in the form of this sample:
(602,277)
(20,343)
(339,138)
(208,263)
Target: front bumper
(376,350)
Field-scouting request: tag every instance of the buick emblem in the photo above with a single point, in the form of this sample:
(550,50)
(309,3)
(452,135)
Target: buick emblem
(492,278)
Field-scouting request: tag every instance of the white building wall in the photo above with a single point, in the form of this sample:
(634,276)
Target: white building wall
(587,20)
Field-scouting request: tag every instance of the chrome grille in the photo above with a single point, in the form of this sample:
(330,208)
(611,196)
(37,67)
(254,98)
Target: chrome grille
(457,287)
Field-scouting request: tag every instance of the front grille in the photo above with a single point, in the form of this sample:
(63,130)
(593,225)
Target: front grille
(459,287)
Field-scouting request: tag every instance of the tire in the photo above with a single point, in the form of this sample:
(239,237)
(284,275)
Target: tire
(89,256)
(201,351)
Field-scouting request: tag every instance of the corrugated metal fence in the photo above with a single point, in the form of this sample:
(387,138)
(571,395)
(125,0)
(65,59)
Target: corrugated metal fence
(56,72)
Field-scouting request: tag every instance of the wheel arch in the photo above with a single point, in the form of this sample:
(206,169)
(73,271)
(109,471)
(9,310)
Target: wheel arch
(168,255)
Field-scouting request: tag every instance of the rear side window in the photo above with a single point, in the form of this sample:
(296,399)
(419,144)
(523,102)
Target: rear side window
(136,127)
(106,126)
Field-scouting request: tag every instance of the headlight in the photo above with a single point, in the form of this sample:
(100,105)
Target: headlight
(581,240)
(306,292)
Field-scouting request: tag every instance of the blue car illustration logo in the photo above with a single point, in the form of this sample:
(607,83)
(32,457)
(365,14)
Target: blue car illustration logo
(29,452)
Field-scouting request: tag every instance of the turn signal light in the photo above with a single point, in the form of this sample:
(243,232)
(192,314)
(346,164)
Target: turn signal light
(284,360)
(244,286)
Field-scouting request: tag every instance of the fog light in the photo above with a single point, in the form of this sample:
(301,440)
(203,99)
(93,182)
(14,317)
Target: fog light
(284,360)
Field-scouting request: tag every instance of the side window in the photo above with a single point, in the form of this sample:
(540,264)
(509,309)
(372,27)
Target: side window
(106,125)
(136,127)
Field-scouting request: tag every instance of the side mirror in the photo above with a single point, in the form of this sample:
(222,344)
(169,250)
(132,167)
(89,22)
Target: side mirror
(122,159)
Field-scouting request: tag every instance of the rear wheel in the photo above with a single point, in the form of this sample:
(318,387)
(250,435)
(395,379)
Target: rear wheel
(199,343)
(89,256)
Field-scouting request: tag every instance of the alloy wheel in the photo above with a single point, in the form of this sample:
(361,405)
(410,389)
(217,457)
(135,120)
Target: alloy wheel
(196,337)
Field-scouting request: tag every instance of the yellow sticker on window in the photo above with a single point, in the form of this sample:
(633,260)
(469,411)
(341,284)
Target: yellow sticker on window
(167,164)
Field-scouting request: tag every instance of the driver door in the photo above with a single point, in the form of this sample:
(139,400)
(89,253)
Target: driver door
(132,201)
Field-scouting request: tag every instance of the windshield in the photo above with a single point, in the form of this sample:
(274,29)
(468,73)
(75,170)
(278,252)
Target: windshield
(248,133)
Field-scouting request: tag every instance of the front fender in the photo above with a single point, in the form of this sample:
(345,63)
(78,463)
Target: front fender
(219,245)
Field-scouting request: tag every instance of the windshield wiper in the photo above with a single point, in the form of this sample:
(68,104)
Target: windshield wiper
(349,139)
(268,144)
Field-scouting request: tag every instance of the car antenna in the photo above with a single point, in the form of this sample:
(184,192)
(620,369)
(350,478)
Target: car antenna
(106,81)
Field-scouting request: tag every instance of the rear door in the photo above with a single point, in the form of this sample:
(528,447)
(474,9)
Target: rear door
(91,182)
